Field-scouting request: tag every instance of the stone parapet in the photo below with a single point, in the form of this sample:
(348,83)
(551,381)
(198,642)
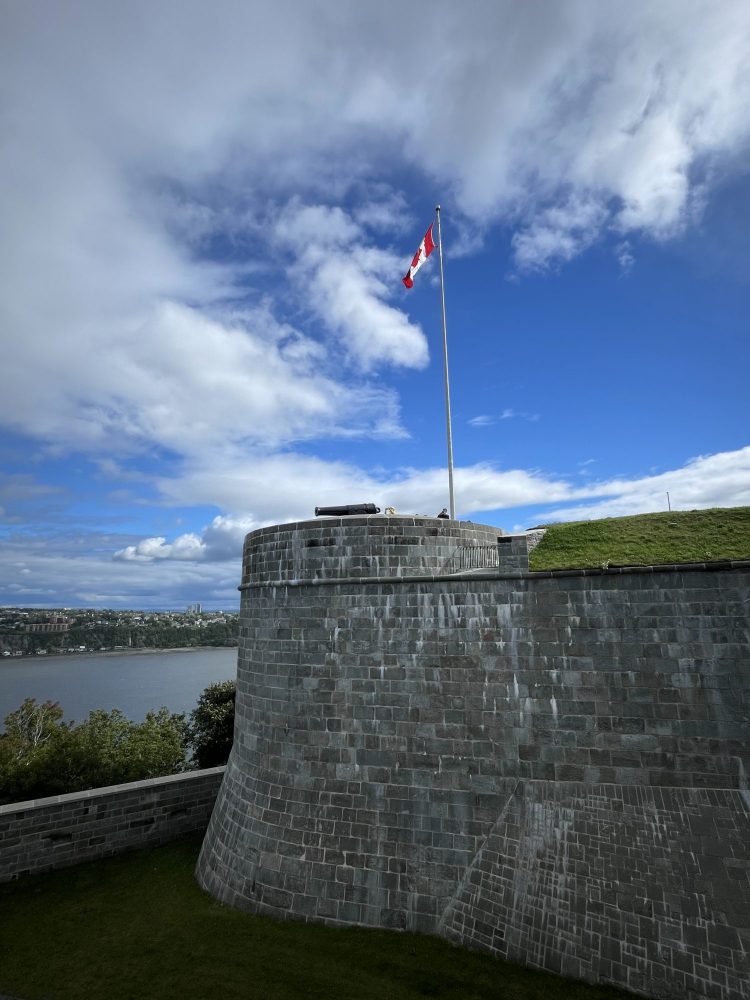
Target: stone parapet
(64,830)
(335,547)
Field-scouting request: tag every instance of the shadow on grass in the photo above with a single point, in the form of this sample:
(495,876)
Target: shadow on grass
(138,925)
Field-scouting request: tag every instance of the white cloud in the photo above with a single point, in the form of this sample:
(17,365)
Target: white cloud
(293,485)
(187,381)
(485,420)
(387,212)
(625,258)
(559,233)
(345,282)
(282,488)
(186,547)
(126,155)
(73,570)
(593,116)
(721,480)
(220,541)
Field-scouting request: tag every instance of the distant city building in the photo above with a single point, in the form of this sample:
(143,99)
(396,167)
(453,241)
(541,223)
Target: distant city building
(54,623)
(194,609)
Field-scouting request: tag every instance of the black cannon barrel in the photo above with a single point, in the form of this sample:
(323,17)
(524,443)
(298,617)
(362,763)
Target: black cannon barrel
(346,509)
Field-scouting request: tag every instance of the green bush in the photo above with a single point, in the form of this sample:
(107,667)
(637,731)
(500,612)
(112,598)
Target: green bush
(211,726)
(42,755)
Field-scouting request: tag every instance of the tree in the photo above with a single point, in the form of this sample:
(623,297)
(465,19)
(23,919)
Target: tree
(211,726)
(108,749)
(32,725)
(42,755)
(29,731)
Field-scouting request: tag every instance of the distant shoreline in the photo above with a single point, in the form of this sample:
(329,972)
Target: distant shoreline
(142,650)
(139,651)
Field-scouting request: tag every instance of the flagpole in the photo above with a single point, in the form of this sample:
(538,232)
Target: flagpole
(445,373)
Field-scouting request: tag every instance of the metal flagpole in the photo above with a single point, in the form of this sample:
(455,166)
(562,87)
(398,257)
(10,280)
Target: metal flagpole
(445,372)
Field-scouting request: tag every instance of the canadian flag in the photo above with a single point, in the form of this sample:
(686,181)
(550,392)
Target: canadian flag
(425,249)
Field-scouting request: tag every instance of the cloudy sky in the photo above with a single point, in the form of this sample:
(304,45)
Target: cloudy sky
(206,213)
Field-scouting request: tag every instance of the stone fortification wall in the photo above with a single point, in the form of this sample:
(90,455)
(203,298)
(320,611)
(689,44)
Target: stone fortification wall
(65,830)
(550,766)
(367,547)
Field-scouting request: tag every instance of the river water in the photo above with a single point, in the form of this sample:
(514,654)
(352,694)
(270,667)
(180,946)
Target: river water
(134,682)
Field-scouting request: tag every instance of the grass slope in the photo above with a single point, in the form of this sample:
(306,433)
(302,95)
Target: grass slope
(648,539)
(138,926)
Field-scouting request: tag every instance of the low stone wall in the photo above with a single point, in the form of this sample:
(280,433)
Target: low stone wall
(64,830)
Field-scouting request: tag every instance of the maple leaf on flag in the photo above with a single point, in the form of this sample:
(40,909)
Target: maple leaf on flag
(425,249)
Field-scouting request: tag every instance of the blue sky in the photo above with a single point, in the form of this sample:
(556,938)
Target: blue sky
(206,217)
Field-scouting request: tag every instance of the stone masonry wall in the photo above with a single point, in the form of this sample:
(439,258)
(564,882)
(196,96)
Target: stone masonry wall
(65,830)
(550,766)
(639,886)
(334,548)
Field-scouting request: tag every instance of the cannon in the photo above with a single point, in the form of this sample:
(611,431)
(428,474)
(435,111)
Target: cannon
(347,509)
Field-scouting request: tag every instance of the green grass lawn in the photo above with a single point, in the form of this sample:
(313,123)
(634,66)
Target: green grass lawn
(676,537)
(137,925)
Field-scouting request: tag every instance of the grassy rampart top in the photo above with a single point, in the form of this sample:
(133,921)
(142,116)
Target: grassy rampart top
(646,539)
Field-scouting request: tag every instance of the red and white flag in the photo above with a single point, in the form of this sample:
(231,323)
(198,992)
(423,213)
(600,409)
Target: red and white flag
(425,249)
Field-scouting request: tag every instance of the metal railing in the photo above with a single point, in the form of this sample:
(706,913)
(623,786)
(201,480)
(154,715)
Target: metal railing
(474,557)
